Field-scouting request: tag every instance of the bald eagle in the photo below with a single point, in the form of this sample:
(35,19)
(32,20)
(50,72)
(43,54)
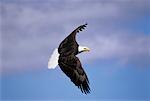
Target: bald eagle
(65,57)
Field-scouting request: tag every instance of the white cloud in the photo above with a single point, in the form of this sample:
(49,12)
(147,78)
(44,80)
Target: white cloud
(31,31)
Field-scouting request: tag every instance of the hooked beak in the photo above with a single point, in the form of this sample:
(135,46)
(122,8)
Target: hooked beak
(86,50)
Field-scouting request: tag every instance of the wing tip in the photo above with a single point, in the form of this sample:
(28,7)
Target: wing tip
(81,27)
(84,87)
(86,24)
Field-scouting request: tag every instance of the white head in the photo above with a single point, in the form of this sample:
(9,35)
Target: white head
(83,49)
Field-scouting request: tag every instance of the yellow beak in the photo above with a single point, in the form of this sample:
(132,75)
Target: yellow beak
(86,49)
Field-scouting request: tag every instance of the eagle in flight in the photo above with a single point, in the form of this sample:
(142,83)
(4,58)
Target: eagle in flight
(65,57)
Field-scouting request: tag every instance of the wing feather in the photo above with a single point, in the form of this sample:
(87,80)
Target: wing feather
(71,66)
(69,43)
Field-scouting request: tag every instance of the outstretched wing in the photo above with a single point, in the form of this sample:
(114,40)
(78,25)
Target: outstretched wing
(69,45)
(72,67)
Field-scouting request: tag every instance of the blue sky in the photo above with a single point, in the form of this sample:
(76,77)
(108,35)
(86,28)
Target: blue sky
(118,35)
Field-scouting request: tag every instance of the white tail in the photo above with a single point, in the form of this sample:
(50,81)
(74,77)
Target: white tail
(53,60)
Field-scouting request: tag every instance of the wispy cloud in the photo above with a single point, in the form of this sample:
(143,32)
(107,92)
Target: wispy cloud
(30,31)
